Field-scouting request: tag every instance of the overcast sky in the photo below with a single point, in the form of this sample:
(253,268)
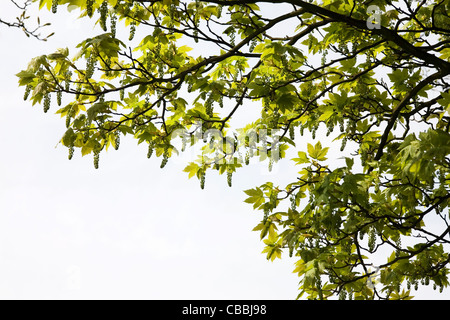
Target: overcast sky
(128,230)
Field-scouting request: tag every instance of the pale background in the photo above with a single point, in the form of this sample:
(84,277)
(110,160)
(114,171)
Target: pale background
(128,230)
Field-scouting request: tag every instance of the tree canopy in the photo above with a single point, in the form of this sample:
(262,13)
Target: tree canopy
(370,221)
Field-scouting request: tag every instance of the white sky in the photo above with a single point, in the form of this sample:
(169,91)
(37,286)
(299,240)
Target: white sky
(128,230)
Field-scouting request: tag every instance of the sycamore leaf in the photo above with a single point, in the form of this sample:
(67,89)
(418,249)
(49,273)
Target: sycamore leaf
(317,152)
(192,169)
(302,158)
(256,197)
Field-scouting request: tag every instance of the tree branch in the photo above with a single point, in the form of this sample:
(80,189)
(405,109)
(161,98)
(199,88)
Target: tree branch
(401,105)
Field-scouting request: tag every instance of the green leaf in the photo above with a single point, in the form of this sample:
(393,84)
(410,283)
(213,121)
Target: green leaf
(256,197)
(317,152)
(26,77)
(192,168)
(349,162)
(302,158)
(97,108)
(68,138)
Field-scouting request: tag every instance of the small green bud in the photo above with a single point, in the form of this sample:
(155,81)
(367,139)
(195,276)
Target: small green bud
(86,136)
(59,97)
(47,101)
(164,162)
(165,158)
(202,180)
(344,143)
(96,159)
(55,6)
(150,150)
(27,92)
(103,9)
(132,30)
(372,239)
(117,141)
(69,116)
(89,9)
(291,132)
(293,202)
(71,152)
(342,294)
(113,26)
